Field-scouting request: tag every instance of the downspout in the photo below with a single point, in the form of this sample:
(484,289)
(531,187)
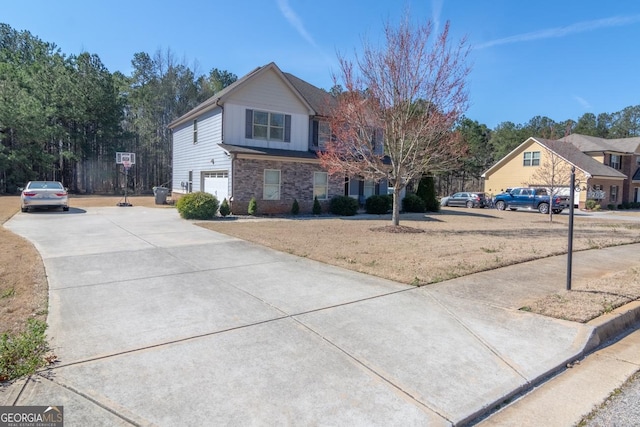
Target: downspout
(221,119)
(233,156)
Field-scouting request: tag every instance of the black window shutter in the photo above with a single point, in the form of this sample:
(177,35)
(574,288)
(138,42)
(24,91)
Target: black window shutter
(249,124)
(314,135)
(287,128)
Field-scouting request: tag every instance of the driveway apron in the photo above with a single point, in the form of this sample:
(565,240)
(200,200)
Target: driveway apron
(156,321)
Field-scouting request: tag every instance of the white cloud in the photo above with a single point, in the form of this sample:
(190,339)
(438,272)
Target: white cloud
(580,27)
(583,102)
(436,12)
(295,22)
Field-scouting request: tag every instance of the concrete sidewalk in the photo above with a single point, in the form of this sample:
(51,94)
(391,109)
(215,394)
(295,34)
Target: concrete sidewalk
(156,321)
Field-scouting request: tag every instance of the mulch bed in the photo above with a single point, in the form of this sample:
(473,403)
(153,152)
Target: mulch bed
(397,229)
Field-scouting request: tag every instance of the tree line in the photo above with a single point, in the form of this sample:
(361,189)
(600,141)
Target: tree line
(63,117)
(486,146)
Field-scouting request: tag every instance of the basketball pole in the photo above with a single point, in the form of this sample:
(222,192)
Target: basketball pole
(126,184)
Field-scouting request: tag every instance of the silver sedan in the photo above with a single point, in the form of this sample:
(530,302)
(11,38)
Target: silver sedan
(44,194)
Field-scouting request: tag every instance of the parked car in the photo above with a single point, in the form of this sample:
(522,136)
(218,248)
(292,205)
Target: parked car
(44,194)
(466,199)
(530,198)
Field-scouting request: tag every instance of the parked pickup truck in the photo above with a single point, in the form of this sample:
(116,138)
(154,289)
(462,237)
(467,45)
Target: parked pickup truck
(530,198)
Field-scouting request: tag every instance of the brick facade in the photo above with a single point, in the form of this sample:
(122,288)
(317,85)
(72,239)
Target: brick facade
(296,182)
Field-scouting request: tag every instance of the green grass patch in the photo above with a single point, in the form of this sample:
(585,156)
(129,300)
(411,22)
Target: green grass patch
(22,354)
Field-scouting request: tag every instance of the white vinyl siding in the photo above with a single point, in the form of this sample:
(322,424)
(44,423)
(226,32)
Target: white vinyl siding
(268,93)
(195,131)
(203,156)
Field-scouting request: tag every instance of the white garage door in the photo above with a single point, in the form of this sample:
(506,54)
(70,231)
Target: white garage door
(217,183)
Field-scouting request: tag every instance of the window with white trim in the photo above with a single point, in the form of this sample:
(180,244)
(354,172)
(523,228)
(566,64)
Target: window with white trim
(195,131)
(613,194)
(271,189)
(268,125)
(531,158)
(615,161)
(321,185)
(369,188)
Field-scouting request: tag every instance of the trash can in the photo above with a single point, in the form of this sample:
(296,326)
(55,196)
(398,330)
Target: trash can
(161,194)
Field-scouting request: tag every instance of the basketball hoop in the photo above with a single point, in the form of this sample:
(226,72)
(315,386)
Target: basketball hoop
(126,160)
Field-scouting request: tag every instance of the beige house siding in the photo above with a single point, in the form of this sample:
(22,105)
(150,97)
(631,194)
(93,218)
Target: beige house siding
(513,173)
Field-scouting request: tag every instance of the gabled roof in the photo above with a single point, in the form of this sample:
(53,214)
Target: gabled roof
(319,99)
(568,152)
(586,143)
(308,94)
(573,155)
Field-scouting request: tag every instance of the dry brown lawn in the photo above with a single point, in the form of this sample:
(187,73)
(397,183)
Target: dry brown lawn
(455,242)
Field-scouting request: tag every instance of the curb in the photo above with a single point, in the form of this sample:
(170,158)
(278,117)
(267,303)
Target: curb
(604,329)
(610,325)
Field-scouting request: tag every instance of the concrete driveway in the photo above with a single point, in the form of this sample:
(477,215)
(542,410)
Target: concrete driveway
(156,321)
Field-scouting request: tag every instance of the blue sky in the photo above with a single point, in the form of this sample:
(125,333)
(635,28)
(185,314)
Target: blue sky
(559,58)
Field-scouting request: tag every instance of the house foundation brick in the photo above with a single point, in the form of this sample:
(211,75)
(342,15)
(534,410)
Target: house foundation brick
(296,183)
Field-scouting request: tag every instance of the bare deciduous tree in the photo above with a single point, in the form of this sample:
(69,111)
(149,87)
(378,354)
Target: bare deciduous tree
(554,172)
(396,116)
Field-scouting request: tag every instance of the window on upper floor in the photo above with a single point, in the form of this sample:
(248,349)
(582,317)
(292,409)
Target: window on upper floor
(195,131)
(531,158)
(271,189)
(321,185)
(268,126)
(615,162)
(320,133)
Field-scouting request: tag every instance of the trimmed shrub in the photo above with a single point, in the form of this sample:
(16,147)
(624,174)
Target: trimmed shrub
(626,205)
(378,205)
(635,205)
(198,205)
(295,208)
(590,204)
(317,208)
(611,207)
(413,203)
(344,206)
(253,206)
(620,206)
(224,208)
(427,192)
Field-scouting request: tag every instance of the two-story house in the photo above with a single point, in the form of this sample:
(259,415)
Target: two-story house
(258,138)
(608,170)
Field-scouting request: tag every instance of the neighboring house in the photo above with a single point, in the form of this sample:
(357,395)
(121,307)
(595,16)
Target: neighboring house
(258,138)
(607,169)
